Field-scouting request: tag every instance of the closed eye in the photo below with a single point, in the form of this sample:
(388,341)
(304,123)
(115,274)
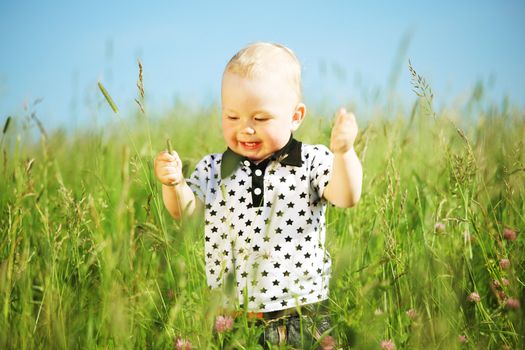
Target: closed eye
(232,117)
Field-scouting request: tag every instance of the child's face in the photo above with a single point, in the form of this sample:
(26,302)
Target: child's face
(258,114)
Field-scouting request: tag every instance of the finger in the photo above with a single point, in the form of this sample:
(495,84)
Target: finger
(171,170)
(338,116)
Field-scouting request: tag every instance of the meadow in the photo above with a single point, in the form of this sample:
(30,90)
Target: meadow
(432,257)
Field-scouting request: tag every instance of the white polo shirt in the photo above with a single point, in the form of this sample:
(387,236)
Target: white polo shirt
(265,225)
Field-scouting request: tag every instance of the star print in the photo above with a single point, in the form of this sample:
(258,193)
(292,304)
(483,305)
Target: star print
(275,282)
(292,208)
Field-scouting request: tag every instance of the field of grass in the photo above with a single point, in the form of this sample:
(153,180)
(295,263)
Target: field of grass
(90,259)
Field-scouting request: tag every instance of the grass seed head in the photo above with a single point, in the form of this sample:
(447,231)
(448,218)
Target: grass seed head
(6,125)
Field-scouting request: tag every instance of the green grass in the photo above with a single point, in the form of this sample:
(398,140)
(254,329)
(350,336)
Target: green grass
(90,259)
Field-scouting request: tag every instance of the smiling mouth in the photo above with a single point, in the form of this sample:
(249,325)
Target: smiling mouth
(250,145)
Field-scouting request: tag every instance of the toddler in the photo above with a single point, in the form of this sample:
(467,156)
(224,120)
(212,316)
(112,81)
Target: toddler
(264,198)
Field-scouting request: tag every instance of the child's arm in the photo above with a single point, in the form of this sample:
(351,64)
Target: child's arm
(344,188)
(177,195)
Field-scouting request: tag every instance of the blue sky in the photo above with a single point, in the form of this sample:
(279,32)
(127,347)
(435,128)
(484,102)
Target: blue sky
(58,50)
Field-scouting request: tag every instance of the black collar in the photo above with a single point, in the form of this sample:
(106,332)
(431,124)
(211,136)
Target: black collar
(290,154)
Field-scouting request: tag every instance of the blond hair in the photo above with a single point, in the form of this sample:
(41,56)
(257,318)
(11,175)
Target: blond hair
(258,59)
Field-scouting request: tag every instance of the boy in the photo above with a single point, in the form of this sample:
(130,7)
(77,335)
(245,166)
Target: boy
(264,198)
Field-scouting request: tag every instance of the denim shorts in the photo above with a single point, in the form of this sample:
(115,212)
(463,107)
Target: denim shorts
(299,331)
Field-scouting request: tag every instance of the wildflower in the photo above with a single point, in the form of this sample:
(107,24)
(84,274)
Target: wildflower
(223,324)
(182,344)
(462,338)
(473,297)
(505,281)
(388,345)
(328,343)
(504,263)
(501,295)
(512,304)
(439,227)
(411,313)
(509,235)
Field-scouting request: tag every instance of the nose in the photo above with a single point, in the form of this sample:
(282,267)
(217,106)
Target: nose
(247,128)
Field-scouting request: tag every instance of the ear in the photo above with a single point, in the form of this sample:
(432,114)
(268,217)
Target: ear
(298,116)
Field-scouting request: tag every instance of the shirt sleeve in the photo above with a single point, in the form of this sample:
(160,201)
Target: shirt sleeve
(199,179)
(320,168)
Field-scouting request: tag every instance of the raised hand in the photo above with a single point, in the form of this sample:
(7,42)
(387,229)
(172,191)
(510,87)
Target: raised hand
(344,132)
(168,168)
